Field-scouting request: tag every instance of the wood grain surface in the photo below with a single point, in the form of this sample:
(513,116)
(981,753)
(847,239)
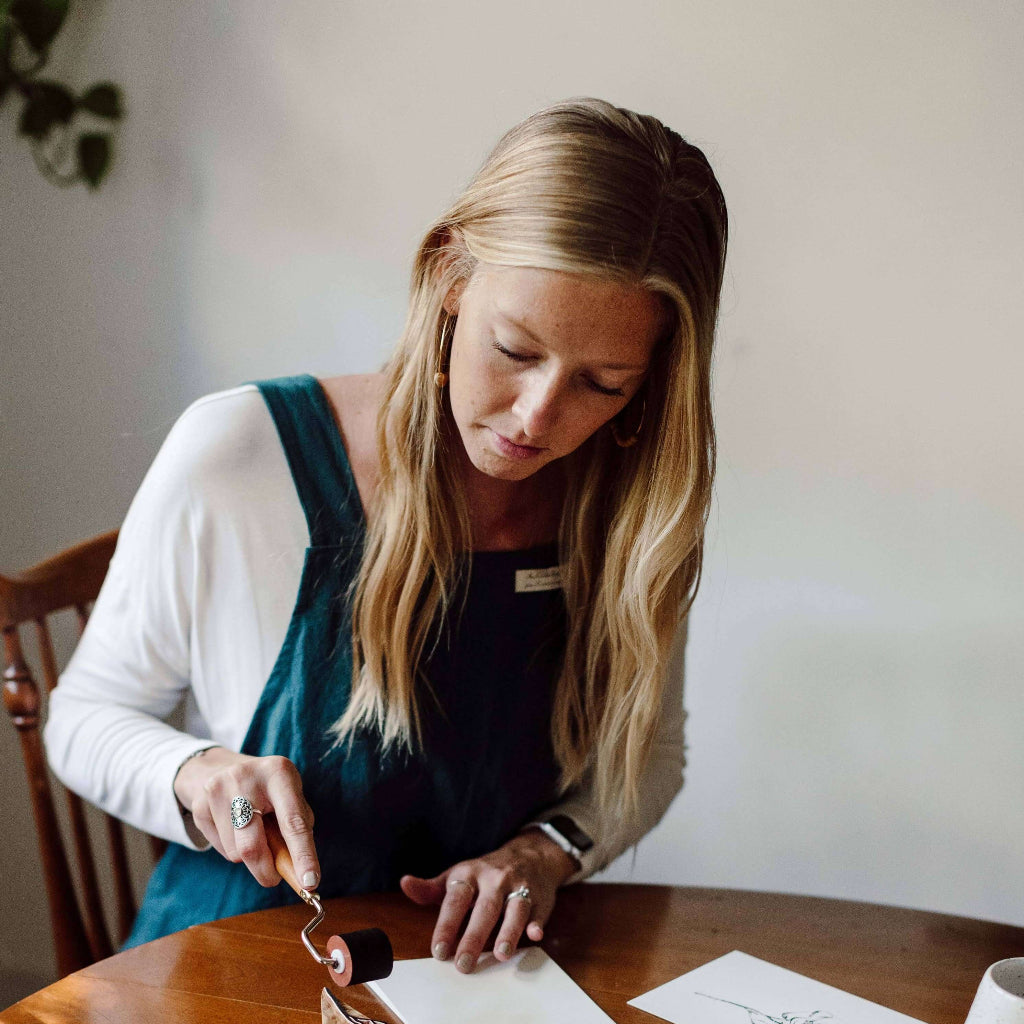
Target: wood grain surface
(616,941)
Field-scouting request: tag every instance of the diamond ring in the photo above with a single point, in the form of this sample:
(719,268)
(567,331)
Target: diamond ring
(522,893)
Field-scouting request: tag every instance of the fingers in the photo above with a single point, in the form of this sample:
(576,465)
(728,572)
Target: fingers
(521,914)
(246,845)
(459,897)
(271,785)
(295,820)
(252,850)
(424,891)
(517,914)
(491,907)
(486,914)
(203,818)
(512,889)
(540,912)
(214,806)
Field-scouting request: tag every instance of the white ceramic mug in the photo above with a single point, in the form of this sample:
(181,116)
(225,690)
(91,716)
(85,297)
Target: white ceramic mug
(1000,998)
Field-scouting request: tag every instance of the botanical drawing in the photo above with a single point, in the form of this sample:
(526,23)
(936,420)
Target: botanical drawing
(758,1017)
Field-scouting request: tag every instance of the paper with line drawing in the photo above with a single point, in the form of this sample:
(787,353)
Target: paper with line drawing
(741,989)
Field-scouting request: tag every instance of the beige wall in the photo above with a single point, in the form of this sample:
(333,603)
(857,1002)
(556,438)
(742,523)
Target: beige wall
(855,666)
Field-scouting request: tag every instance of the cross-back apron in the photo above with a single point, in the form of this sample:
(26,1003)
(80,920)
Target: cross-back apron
(486,767)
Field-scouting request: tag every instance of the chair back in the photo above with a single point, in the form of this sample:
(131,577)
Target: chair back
(70,580)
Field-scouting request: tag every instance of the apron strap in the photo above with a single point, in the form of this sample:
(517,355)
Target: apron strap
(316,456)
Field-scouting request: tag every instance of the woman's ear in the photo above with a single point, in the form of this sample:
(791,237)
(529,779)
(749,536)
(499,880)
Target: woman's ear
(453,298)
(447,267)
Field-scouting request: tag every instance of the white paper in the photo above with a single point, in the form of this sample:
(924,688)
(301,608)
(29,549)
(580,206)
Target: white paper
(740,989)
(527,989)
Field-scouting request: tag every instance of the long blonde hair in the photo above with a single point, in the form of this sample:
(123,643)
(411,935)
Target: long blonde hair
(588,188)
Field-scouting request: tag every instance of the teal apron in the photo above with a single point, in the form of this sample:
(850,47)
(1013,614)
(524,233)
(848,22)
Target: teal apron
(487,765)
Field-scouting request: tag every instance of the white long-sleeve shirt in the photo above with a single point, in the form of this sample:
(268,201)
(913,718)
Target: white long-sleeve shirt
(195,607)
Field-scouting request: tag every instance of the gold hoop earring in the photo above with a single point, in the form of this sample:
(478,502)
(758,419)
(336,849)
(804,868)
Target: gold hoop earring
(441,374)
(628,442)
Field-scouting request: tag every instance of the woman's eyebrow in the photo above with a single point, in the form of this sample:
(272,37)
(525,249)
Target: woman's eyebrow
(520,326)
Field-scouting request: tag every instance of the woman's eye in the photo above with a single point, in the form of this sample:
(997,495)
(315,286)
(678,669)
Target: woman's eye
(517,356)
(612,392)
(520,357)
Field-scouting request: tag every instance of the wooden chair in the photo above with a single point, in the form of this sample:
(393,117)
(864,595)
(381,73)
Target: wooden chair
(69,580)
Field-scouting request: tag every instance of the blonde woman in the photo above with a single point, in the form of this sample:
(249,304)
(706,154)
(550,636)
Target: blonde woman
(425,617)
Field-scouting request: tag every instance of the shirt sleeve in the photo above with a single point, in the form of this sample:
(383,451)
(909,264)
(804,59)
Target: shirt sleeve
(105,735)
(660,783)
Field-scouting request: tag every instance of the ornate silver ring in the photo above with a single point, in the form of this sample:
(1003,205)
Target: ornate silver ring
(522,893)
(242,812)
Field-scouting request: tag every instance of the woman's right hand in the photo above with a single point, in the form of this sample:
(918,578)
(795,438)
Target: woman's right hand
(207,784)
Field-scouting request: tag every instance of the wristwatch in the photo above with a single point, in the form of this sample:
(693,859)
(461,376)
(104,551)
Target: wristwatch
(563,831)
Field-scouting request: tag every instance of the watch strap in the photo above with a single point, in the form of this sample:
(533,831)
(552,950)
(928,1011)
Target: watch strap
(566,834)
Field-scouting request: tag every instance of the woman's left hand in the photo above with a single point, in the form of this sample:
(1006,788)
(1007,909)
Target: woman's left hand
(481,888)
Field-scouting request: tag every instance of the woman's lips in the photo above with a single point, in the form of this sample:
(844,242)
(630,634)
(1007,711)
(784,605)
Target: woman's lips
(513,450)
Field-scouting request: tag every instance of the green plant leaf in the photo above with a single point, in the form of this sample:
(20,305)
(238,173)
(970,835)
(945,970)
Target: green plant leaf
(39,20)
(93,157)
(48,104)
(102,99)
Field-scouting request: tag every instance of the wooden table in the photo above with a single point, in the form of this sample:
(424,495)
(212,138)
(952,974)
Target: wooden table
(616,941)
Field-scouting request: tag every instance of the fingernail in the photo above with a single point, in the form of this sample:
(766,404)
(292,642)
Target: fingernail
(309,879)
(464,963)
(441,950)
(505,948)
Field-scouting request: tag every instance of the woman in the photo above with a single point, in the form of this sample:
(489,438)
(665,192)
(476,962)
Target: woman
(425,617)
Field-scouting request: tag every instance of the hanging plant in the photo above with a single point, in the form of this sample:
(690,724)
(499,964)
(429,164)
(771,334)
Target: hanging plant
(50,110)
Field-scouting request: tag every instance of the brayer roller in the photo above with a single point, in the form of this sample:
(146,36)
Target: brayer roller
(352,957)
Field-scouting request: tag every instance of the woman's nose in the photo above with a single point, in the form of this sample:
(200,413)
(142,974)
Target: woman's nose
(537,406)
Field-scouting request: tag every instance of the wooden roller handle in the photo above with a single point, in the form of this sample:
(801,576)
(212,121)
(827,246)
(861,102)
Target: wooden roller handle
(282,858)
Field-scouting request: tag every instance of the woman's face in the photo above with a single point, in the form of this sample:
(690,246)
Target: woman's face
(540,359)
